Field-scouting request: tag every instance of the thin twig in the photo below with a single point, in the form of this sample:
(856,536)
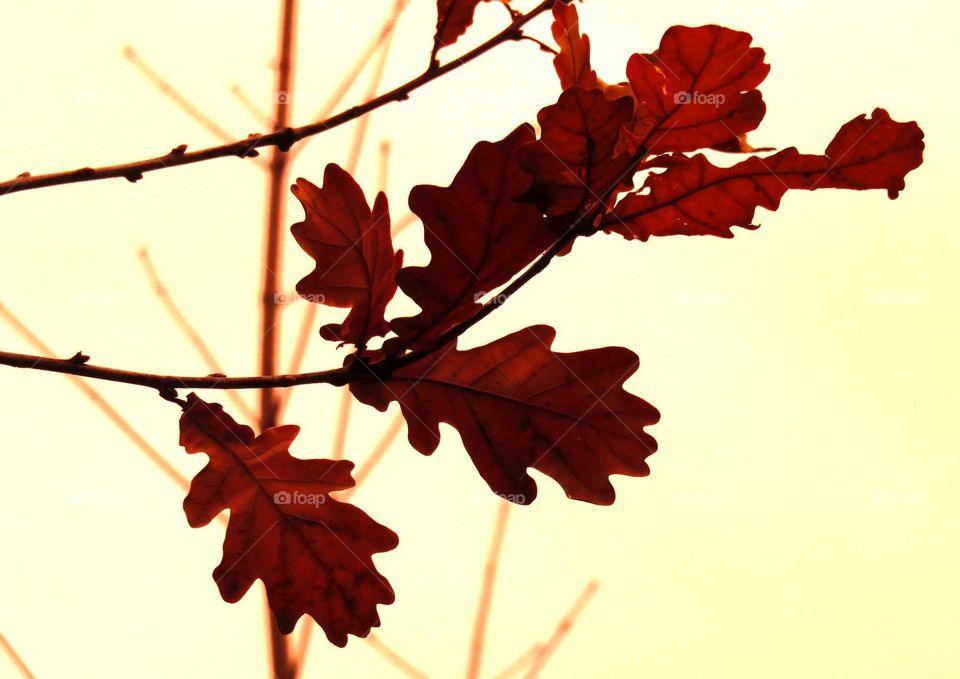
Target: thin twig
(184,325)
(401,223)
(376,455)
(175,96)
(486,591)
(383,166)
(281,139)
(15,658)
(372,47)
(521,662)
(394,658)
(562,630)
(247,103)
(101,403)
(70,366)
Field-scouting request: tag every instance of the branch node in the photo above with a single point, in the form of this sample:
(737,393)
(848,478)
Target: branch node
(287,137)
(134,177)
(79,358)
(84,172)
(23,175)
(178,151)
(250,151)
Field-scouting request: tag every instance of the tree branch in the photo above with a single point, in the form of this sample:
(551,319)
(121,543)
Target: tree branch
(77,366)
(281,139)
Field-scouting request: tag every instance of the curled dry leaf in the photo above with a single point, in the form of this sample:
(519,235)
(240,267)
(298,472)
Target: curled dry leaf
(694,197)
(697,90)
(573,61)
(313,553)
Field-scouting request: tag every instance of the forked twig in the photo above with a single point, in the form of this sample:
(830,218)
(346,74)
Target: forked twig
(562,630)
(105,407)
(394,658)
(178,98)
(521,662)
(248,104)
(186,327)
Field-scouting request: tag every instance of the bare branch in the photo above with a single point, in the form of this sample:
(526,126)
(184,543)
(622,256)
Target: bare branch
(563,628)
(248,104)
(281,139)
(376,455)
(181,321)
(383,166)
(521,662)
(175,96)
(73,366)
(95,397)
(395,658)
(486,591)
(15,658)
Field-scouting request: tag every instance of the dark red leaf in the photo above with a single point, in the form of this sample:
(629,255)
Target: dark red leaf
(697,90)
(575,161)
(573,61)
(518,405)
(312,553)
(356,264)
(693,197)
(453,19)
(479,236)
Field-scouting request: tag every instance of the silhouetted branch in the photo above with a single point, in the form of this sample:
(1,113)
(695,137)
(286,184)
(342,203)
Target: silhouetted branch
(281,139)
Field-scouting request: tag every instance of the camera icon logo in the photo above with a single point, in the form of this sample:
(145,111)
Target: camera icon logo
(281,497)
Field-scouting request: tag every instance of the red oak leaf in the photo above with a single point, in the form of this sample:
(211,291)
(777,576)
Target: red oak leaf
(517,404)
(356,265)
(693,197)
(312,552)
(573,61)
(697,90)
(575,161)
(453,19)
(479,236)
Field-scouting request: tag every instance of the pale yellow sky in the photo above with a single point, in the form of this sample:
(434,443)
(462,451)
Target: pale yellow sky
(801,517)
